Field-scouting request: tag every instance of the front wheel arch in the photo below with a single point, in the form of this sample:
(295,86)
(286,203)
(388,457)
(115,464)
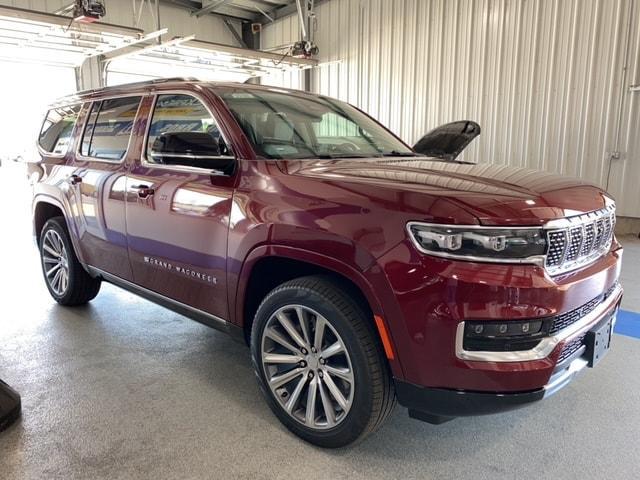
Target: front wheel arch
(255,283)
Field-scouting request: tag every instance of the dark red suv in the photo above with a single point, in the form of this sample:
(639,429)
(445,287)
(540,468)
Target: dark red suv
(359,269)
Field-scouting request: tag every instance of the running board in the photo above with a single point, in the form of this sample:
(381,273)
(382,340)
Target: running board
(196,314)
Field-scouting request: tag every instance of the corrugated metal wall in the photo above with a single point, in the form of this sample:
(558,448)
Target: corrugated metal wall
(545,79)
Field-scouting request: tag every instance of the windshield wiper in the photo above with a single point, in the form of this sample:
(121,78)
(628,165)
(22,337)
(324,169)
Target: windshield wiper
(324,156)
(395,153)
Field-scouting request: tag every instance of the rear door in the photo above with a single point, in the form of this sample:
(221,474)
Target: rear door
(178,209)
(98,183)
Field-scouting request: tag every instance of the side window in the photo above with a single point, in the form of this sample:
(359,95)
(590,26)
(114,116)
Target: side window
(55,135)
(183,132)
(109,127)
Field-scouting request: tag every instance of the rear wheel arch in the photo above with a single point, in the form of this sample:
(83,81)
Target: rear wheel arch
(45,208)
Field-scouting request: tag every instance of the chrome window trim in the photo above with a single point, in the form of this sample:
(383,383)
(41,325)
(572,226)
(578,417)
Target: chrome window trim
(562,224)
(85,158)
(546,345)
(182,168)
(41,150)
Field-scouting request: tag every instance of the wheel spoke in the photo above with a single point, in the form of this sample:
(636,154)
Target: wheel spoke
(279,358)
(319,334)
(291,330)
(50,250)
(295,395)
(53,269)
(60,244)
(280,380)
(275,336)
(53,241)
(335,391)
(55,282)
(302,320)
(343,373)
(65,279)
(310,416)
(332,350)
(327,406)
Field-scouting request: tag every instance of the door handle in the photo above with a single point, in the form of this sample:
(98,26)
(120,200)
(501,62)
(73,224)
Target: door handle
(74,179)
(144,191)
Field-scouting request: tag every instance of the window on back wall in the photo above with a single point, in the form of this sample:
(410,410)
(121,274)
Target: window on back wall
(108,130)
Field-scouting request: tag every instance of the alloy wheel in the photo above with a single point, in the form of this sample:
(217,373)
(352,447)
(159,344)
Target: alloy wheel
(307,367)
(56,262)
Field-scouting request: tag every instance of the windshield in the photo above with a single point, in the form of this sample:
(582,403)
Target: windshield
(290,126)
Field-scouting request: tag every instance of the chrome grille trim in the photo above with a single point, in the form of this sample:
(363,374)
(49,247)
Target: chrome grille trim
(581,240)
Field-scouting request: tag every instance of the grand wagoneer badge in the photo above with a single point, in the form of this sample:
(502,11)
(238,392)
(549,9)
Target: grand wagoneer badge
(187,272)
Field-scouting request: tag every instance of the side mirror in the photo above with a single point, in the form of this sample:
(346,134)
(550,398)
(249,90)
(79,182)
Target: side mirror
(191,149)
(449,140)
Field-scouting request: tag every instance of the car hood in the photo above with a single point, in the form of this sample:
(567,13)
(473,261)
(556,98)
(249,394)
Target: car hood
(494,194)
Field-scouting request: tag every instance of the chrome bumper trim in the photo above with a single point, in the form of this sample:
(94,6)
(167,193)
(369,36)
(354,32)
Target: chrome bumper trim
(546,345)
(562,378)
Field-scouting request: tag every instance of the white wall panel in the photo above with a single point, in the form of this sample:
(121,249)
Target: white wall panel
(544,78)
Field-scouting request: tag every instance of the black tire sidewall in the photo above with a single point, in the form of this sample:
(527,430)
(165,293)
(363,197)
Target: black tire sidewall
(361,410)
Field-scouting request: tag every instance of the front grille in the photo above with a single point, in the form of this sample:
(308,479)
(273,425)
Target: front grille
(564,320)
(581,240)
(571,348)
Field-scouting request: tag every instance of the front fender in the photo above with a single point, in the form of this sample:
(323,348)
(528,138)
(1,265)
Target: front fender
(370,282)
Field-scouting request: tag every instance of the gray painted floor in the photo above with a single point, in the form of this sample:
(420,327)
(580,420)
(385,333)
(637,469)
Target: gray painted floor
(126,389)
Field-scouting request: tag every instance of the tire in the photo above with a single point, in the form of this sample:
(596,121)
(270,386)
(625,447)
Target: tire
(74,286)
(280,349)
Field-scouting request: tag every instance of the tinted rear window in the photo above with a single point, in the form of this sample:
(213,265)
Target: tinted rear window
(55,135)
(109,127)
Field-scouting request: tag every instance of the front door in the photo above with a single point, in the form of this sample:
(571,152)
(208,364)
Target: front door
(178,208)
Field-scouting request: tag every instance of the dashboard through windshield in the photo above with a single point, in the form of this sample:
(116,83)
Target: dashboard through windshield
(284,125)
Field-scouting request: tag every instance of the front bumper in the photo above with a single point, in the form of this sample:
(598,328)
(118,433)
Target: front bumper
(437,405)
(430,301)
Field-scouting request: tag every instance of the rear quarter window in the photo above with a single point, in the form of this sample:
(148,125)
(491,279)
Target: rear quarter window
(55,135)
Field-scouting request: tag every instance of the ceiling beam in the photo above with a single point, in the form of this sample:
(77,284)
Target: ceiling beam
(223,12)
(59,20)
(212,7)
(235,33)
(280,12)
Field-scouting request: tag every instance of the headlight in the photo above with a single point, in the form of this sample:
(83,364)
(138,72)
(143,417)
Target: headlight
(489,244)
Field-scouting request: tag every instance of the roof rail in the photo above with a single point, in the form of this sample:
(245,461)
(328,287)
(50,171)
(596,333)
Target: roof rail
(145,83)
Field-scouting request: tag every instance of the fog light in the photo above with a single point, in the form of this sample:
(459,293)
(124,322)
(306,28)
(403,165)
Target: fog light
(504,336)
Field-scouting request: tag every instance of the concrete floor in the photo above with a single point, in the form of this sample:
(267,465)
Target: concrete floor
(126,389)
